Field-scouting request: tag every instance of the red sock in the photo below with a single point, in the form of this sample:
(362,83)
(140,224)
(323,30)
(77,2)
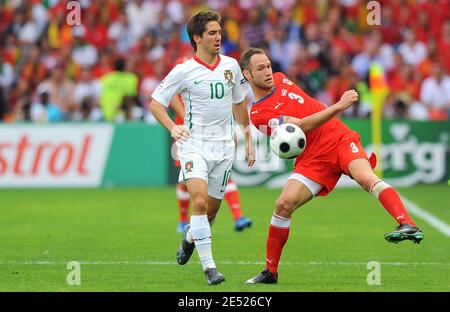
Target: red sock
(278,235)
(391,201)
(183,202)
(232,198)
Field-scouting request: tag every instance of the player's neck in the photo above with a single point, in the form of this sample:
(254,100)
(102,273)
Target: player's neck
(206,57)
(259,93)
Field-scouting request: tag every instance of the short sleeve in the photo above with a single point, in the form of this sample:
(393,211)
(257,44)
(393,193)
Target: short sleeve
(170,86)
(240,88)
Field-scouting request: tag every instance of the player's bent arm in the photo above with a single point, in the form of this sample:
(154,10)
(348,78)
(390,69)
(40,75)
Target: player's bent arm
(313,121)
(316,120)
(178,132)
(241,114)
(159,112)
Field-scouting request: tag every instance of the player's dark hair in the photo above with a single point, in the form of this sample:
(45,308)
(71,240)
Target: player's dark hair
(244,62)
(197,24)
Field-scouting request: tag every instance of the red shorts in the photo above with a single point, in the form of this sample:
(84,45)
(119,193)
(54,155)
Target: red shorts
(327,168)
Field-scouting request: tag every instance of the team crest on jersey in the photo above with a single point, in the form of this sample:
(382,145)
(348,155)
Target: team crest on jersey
(273,123)
(189,166)
(229,78)
(287,81)
(283,92)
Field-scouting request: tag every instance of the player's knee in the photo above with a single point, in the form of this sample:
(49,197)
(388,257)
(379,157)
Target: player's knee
(284,207)
(199,204)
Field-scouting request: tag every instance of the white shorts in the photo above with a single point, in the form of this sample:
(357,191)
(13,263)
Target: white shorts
(311,185)
(215,172)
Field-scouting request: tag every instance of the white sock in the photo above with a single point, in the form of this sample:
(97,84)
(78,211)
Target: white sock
(189,234)
(280,221)
(378,187)
(201,234)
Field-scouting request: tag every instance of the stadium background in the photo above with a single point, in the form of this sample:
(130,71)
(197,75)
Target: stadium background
(70,119)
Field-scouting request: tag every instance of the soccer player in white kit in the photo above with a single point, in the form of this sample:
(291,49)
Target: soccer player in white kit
(213,90)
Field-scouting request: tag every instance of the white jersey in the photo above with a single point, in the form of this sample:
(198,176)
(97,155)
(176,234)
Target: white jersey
(208,93)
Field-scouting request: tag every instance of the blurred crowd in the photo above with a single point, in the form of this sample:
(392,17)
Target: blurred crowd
(102,63)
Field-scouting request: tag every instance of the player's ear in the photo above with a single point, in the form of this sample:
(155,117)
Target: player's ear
(246,74)
(197,39)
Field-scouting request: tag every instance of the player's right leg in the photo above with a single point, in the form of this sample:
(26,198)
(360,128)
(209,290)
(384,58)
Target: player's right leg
(361,171)
(294,195)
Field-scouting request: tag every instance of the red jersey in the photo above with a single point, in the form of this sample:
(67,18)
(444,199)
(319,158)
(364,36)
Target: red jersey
(288,99)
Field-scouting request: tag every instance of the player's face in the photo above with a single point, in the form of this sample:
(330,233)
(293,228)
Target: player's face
(211,38)
(261,72)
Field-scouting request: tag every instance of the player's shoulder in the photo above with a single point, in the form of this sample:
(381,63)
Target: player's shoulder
(228,60)
(185,64)
(281,79)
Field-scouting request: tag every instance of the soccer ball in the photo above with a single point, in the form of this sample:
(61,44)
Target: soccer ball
(287,141)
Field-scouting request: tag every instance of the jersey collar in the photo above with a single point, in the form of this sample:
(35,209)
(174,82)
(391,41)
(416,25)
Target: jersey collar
(265,96)
(198,60)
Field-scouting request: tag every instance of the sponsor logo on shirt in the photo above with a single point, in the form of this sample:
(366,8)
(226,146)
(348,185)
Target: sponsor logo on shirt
(287,81)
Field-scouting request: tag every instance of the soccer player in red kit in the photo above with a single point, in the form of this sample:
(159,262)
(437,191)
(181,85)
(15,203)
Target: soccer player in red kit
(332,150)
(231,192)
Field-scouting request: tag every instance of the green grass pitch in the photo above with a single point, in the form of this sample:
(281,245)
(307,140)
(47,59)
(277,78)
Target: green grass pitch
(125,240)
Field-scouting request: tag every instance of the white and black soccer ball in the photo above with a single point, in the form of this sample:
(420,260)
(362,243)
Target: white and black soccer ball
(288,141)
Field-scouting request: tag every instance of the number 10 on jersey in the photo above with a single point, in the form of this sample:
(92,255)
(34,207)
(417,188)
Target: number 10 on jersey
(217,90)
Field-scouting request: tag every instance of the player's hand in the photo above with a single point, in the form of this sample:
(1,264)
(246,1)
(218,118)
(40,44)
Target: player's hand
(348,98)
(180,133)
(250,154)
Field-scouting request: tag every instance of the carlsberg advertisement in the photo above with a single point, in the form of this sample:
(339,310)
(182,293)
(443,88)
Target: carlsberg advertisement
(412,153)
(137,154)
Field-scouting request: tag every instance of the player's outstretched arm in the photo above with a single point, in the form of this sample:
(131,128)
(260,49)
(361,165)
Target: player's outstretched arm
(316,120)
(241,115)
(178,132)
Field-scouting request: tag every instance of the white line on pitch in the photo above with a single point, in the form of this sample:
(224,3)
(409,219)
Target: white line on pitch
(329,263)
(432,220)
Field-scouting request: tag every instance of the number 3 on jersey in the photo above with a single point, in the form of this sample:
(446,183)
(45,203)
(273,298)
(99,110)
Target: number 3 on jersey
(217,90)
(354,147)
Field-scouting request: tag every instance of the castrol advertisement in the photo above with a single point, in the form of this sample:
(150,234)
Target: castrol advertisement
(54,156)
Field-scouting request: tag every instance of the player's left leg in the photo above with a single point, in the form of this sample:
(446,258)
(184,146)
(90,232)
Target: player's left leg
(187,246)
(294,195)
(361,171)
(232,197)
